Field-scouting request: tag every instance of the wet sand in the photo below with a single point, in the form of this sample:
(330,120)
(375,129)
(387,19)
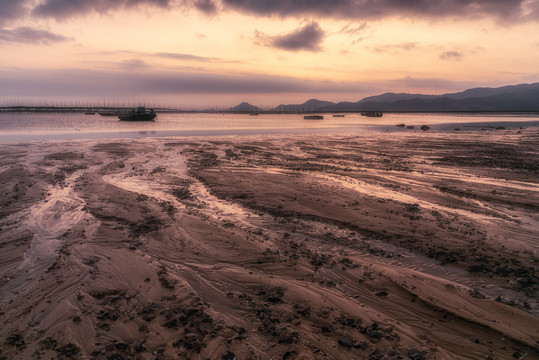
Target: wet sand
(377,246)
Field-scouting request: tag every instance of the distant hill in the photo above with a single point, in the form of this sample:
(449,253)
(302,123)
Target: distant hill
(244,107)
(524,97)
(392,97)
(308,106)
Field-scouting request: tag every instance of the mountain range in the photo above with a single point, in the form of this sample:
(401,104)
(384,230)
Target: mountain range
(523,97)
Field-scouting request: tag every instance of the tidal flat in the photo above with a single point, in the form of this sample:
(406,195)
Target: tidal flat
(372,246)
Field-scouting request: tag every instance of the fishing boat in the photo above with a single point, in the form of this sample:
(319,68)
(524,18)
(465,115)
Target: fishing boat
(313,117)
(108,113)
(139,114)
(372,114)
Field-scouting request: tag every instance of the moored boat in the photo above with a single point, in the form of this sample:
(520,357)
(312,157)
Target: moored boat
(108,113)
(139,114)
(313,117)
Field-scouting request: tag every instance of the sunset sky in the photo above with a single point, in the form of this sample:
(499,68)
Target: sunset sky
(200,53)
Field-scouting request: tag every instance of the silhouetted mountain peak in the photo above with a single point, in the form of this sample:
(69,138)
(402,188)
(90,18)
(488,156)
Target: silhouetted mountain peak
(244,107)
(307,106)
(316,103)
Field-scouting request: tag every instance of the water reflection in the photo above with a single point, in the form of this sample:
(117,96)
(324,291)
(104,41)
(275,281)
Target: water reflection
(144,134)
(36,126)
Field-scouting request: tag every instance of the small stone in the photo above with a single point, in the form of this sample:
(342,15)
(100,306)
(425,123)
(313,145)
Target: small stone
(115,356)
(344,342)
(361,345)
(476,267)
(229,355)
(69,350)
(95,352)
(15,340)
(122,347)
(47,344)
(415,354)
(289,355)
(138,347)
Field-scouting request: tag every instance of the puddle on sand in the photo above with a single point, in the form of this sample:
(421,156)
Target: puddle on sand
(221,209)
(144,186)
(384,193)
(174,164)
(49,220)
(138,178)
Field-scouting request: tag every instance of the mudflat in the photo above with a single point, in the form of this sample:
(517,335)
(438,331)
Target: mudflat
(375,246)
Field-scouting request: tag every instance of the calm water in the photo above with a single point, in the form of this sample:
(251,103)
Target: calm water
(33,126)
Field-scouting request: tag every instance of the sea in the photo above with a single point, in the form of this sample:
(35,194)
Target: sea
(23,127)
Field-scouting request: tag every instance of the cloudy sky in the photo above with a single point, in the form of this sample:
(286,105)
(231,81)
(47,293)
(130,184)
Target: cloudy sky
(199,53)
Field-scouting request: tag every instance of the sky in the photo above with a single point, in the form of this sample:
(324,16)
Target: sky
(197,54)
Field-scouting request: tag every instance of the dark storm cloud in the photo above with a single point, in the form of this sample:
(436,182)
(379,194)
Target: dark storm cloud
(502,9)
(60,9)
(307,38)
(30,35)
(206,6)
(86,83)
(451,55)
(12,9)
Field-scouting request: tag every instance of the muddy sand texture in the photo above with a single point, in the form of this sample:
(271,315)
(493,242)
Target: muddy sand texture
(401,246)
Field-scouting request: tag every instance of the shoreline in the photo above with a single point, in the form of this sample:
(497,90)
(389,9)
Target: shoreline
(97,109)
(419,245)
(10,137)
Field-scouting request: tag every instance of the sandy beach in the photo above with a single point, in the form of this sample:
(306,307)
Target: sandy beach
(418,245)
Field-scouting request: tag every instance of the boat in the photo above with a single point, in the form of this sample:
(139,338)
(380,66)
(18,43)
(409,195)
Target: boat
(89,113)
(338,115)
(139,114)
(313,117)
(108,113)
(372,114)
